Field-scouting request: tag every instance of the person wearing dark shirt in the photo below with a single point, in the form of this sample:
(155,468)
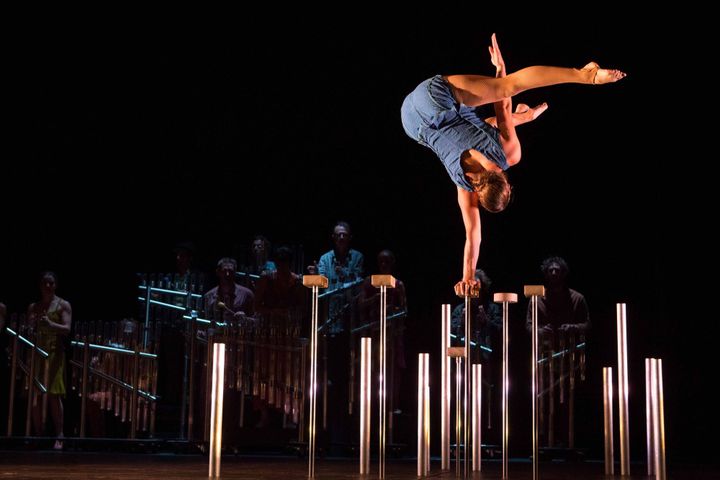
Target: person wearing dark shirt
(237,301)
(563,322)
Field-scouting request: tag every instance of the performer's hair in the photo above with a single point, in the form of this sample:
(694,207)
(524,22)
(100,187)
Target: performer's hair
(494,191)
(545,265)
(226,260)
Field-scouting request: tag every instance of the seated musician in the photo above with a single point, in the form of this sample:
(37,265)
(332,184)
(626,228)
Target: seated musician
(280,304)
(563,321)
(343,267)
(369,312)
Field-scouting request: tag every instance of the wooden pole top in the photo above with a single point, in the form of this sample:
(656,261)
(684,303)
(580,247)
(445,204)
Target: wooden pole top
(315,281)
(455,352)
(505,297)
(534,290)
(383,281)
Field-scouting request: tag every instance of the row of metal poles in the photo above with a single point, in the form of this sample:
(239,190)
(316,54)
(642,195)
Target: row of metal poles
(654,409)
(472,378)
(472,383)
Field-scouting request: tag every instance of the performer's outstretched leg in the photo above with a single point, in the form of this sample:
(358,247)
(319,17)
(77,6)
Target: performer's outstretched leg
(476,90)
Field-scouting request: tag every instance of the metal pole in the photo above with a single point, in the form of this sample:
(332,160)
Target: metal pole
(208,379)
(134,392)
(313,383)
(458,413)
(423,445)
(303,389)
(534,291)
(458,353)
(476,417)
(383,381)
(505,388)
(658,417)
(466,391)
(191,375)
(13,371)
(445,391)
(505,299)
(649,429)
(535,426)
(31,389)
(365,403)
(325,381)
(660,465)
(608,420)
(148,292)
(571,397)
(383,282)
(427,414)
(186,366)
(623,390)
(218,388)
(315,282)
(85,372)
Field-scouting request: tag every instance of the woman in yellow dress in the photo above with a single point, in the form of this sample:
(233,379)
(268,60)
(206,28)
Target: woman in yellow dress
(52,317)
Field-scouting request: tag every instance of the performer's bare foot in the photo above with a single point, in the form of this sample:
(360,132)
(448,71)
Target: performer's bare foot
(529,114)
(603,75)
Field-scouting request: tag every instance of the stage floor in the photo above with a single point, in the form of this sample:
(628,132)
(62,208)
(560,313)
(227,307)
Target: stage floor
(73,465)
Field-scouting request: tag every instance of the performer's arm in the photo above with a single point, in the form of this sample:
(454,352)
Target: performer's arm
(470,210)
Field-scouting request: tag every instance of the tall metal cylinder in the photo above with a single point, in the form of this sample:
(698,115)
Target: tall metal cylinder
(649,429)
(505,390)
(608,420)
(134,392)
(84,387)
(423,432)
(365,403)
(13,371)
(535,419)
(445,391)
(313,383)
(383,381)
(468,386)
(505,299)
(191,376)
(146,327)
(623,390)
(31,389)
(458,413)
(314,282)
(658,417)
(216,413)
(660,464)
(535,291)
(476,417)
(382,282)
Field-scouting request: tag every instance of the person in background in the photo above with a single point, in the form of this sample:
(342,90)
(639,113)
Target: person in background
(51,317)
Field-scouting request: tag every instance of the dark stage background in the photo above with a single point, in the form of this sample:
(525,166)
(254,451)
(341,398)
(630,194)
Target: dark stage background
(128,142)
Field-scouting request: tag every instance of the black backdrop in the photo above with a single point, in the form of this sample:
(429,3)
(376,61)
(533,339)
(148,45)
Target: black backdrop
(128,140)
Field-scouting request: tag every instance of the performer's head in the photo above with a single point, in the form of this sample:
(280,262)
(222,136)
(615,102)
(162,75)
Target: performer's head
(260,248)
(283,257)
(555,270)
(485,283)
(184,252)
(386,262)
(47,283)
(226,268)
(493,190)
(341,235)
